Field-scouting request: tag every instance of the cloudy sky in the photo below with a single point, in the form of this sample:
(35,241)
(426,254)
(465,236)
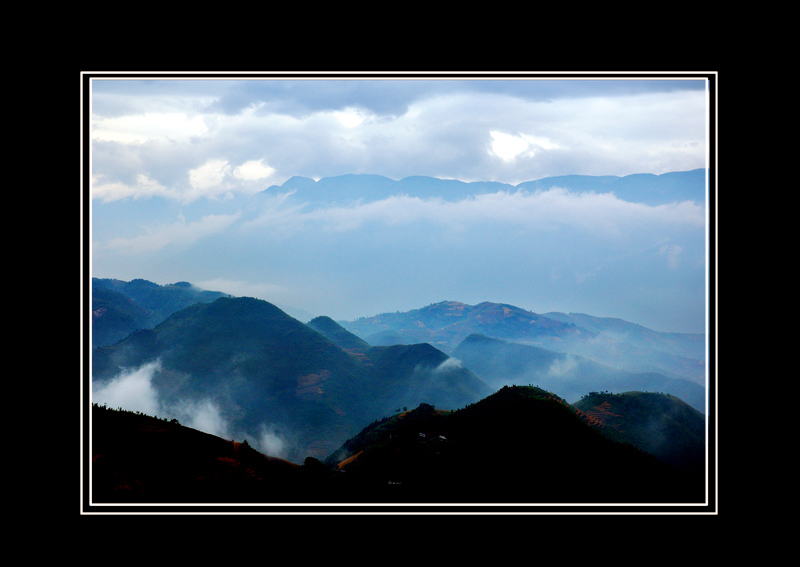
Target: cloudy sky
(176,164)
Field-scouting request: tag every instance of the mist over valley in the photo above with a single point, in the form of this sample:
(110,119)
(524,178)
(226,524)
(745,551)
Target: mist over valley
(293,383)
(242,370)
(351,293)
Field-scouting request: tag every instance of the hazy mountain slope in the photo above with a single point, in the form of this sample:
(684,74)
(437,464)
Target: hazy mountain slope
(120,307)
(256,364)
(519,445)
(447,323)
(500,363)
(410,374)
(115,316)
(263,369)
(613,342)
(662,425)
(680,344)
(407,375)
(636,348)
(338,334)
(638,188)
(138,458)
(161,299)
(387,338)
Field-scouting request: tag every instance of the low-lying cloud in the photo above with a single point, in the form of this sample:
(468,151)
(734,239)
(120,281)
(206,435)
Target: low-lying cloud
(544,250)
(203,415)
(448,365)
(133,390)
(554,207)
(563,368)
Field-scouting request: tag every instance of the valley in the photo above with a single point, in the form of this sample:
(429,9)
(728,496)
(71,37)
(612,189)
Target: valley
(318,396)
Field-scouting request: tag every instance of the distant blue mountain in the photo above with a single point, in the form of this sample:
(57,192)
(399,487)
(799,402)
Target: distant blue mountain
(640,188)
(644,188)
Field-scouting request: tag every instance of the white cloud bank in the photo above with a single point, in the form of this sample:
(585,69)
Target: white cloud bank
(554,207)
(143,188)
(457,132)
(147,126)
(133,390)
(130,390)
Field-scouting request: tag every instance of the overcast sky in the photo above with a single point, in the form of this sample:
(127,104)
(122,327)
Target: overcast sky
(175,162)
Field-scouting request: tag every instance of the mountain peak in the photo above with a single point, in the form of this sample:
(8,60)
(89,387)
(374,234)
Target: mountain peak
(447,304)
(337,334)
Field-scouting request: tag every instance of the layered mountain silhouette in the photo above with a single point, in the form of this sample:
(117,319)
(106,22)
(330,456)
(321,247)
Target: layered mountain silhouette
(639,188)
(499,363)
(490,421)
(660,424)
(447,323)
(610,342)
(260,366)
(138,458)
(338,334)
(408,373)
(636,348)
(120,307)
(519,445)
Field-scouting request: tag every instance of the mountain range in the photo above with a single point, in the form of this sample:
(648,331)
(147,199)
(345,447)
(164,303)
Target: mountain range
(500,362)
(649,189)
(261,368)
(447,323)
(312,389)
(505,345)
(520,445)
(120,307)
